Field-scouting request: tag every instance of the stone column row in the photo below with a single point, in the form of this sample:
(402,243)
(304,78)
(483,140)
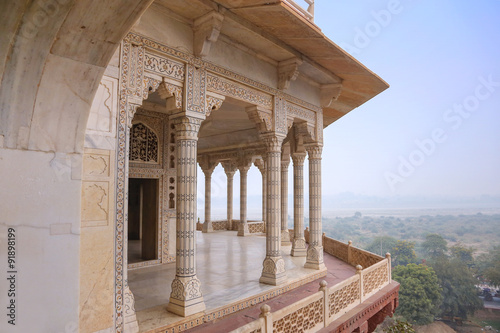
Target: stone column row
(243,229)
(285,237)
(230,170)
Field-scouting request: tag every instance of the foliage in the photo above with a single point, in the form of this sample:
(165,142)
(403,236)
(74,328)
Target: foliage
(382,244)
(458,288)
(400,327)
(489,266)
(434,246)
(403,253)
(419,294)
(463,253)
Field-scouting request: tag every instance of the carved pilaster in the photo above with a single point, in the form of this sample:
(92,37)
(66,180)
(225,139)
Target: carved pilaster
(206,31)
(186,297)
(315,251)
(229,169)
(299,242)
(243,165)
(207,166)
(273,271)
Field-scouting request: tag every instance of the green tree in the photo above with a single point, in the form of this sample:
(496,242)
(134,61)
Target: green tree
(382,244)
(434,246)
(403,253)
(419,293)
(489,266)
(458,288)
(400,327)
(463,253)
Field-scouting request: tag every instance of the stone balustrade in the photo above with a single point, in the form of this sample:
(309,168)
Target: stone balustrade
(330,304)
(221,225)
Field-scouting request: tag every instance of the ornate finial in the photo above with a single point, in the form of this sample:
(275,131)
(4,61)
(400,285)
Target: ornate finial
(265,309)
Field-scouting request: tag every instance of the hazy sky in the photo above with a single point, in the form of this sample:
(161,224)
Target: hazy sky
(436,130)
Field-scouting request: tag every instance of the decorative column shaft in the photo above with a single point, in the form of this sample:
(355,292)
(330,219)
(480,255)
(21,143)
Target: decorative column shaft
(285,236)
(186,297)
(261,165)
(243,226)
(207,225)
(273,271)
(315,250)
(229,169)
(207,166)
(299,242)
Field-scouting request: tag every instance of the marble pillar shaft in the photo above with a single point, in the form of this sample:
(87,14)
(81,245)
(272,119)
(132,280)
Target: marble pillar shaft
(285,237)
(230,177)
(243,195)
(208,196)
(299,243)
(264,195)
(186,296)
(315,250)
(273,271)
(243,229)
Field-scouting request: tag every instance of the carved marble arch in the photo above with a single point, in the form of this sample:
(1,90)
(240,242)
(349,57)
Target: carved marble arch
(144,144)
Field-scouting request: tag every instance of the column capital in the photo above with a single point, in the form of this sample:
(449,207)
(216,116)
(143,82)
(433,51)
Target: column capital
(229,168)
(273,142)
(314,151)
(207,165)
(187,127)
(298,158)
(261,165)
(244,163)
(284,165)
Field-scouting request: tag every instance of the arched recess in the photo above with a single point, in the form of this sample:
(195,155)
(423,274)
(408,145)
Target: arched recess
(52,57)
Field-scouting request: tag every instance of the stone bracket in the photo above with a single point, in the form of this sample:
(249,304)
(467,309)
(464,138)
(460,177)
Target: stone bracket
(206,32)
(288,71)
(261,117)
(329,93)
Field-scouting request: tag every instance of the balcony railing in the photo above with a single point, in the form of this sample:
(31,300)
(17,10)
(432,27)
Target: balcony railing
(307,13)
(320,309)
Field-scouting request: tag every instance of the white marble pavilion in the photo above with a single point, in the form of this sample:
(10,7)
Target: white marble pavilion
(108,108)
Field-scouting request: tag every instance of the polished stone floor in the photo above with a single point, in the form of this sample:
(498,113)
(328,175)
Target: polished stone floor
(228,266)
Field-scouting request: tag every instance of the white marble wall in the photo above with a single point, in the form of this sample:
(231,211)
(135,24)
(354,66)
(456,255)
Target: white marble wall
(40,199)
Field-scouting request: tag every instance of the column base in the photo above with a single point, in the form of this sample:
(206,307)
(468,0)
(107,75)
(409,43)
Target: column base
(130,324)
(186,297)
(315,258)
(285,238)
(243,229)
(273,271)
(207,227)
(299,248)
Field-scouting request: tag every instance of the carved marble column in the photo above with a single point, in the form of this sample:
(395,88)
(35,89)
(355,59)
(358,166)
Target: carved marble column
(315,249)
(285,236)
(299,242)
(243,226)
(207,167)
(273,271)
(229,169)
(261,165)
(186,297)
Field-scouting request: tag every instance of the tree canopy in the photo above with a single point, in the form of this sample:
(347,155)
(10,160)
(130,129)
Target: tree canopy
(434,246)
(403,253)
(382,244)
(458,288)
(419,294)
(490,266)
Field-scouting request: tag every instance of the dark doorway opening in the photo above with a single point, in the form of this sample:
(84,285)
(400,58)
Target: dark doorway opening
(142,220)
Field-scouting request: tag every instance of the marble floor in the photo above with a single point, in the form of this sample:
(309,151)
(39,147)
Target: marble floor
(228,266)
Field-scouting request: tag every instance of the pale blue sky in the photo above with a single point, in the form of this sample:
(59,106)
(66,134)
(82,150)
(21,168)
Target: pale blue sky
(433,54)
